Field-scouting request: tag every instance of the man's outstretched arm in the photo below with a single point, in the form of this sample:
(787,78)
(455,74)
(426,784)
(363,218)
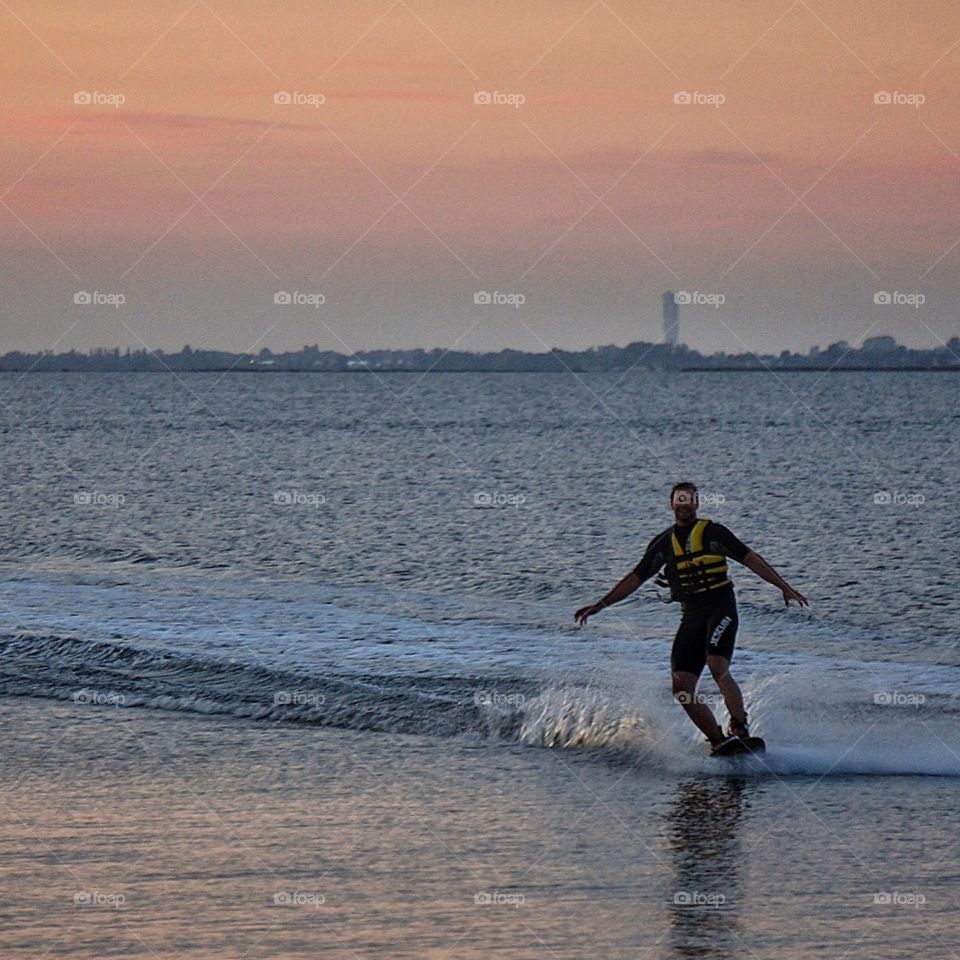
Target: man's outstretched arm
(623,589)
(762,569)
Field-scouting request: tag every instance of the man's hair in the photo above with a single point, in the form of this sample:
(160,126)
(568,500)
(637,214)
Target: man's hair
(683,485)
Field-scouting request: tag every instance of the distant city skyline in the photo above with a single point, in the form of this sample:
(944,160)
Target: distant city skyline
(792,171)
(876,353)
(671,319)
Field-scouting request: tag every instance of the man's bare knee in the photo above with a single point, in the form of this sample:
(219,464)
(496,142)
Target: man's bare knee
(719,667)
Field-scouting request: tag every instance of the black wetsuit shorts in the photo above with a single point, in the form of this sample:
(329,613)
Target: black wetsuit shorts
(707,628)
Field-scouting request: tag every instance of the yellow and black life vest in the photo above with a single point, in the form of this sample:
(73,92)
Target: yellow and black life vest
(692,570)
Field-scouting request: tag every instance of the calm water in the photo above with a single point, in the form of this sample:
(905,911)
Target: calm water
(289,668)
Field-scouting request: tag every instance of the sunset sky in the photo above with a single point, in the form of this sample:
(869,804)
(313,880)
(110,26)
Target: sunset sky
(588,190)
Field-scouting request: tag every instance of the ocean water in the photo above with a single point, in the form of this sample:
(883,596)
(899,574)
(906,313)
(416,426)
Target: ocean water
(289,667)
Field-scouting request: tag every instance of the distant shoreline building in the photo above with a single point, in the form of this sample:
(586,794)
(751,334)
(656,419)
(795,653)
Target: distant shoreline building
(881,344)
(671,319)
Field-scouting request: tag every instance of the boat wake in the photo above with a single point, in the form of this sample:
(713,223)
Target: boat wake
(816,723)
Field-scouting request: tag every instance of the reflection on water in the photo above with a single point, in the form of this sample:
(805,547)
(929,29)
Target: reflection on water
(703,829)
(230,839)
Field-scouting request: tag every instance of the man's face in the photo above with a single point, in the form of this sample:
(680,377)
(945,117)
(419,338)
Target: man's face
(685,506)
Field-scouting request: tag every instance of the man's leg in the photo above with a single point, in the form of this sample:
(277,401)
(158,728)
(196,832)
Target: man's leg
(684,692)
(732,697)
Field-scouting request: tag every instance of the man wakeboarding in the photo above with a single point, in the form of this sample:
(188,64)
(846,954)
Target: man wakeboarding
(694,553)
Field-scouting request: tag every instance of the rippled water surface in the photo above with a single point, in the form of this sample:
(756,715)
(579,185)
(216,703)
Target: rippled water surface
(310,637)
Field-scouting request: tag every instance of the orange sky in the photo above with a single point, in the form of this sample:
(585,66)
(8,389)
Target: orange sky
(198,197)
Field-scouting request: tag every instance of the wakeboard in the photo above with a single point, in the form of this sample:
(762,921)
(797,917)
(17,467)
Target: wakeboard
(741,745)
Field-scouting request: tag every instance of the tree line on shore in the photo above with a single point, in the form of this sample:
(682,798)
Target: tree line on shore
(640,355)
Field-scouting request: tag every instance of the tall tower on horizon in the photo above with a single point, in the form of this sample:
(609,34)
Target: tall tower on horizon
(671,319)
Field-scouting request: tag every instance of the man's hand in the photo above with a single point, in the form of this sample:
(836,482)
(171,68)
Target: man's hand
(790,594)
(764,571)
(584,612)
(623,589)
